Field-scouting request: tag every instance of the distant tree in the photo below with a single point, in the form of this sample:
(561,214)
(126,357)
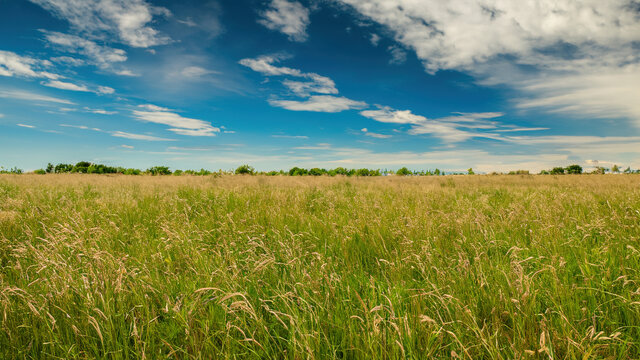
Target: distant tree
(159,170)
(557,171)
(403,172)
(178,172)
(470,171)
(317,172)
(296,171)
(245,170)
(40,172)
(615,169)
(63,168)
(627,170)
(599,170)
(49,168)
(574,169)
(132,172)
(436,172)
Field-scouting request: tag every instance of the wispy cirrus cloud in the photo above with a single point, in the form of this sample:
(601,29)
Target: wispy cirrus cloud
(128,20)
(126,135)
(30,96)
(178,124)
(287,17)
(320,103)
(104,57)
(65,86)
(454,128)
(366,132)
(26,126)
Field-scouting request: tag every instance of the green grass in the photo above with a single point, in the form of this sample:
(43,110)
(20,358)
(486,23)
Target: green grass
(495,267)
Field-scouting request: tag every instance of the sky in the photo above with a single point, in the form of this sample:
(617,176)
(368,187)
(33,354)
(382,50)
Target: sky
(495,85)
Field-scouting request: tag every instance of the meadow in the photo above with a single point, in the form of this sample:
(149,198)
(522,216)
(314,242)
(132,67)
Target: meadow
(472,267)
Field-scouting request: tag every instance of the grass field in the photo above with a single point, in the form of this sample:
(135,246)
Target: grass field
(495,267)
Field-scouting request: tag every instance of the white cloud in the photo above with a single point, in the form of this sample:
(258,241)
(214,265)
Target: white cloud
(12,64)
(290,136)
(65,86)
(26,126)
(581,56)
(127,19)
(318,85)
(127,146)
(105,90)
(179,125)
(398,56)
(288,17)
(320,103)
(374,135)
(196,72)
(131,136)
(454,128)
(29,96)
(374,39)
(68,60)
(100,111)
(103,57)
(264,65)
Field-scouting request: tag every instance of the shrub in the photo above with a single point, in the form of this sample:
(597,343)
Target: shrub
(40,172)
(557,171)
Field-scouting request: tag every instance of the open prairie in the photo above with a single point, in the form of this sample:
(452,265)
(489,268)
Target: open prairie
(500,267)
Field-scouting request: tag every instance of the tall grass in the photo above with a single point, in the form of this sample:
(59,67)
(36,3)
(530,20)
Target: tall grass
(489,267)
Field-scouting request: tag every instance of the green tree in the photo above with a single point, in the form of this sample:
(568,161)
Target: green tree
(615,169)
(49,168)
(574,169)
(245,170)
(470,171)
(159,170)
(403,171)
(557,171)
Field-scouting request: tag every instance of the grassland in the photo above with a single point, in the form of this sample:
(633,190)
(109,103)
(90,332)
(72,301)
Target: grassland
(495,267)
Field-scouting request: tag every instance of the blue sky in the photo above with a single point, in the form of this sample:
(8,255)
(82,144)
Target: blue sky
(494,85)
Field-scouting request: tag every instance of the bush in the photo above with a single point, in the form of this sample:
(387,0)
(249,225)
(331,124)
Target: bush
(245,170)
(40,172)
(557,171)
(317,172)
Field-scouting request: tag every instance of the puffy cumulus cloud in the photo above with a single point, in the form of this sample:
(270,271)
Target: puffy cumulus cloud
(287,17)
(101,56)
(458,33)
(320,103)
(583,54)
(12,64)
(178,124)
(127,19)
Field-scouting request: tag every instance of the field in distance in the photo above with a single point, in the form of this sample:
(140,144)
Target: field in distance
(501,267)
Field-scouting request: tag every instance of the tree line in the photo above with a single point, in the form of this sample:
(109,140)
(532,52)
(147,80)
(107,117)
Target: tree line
(86,167)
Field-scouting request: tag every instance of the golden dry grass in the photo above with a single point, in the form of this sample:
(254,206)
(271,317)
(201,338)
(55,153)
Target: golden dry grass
(301,267)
